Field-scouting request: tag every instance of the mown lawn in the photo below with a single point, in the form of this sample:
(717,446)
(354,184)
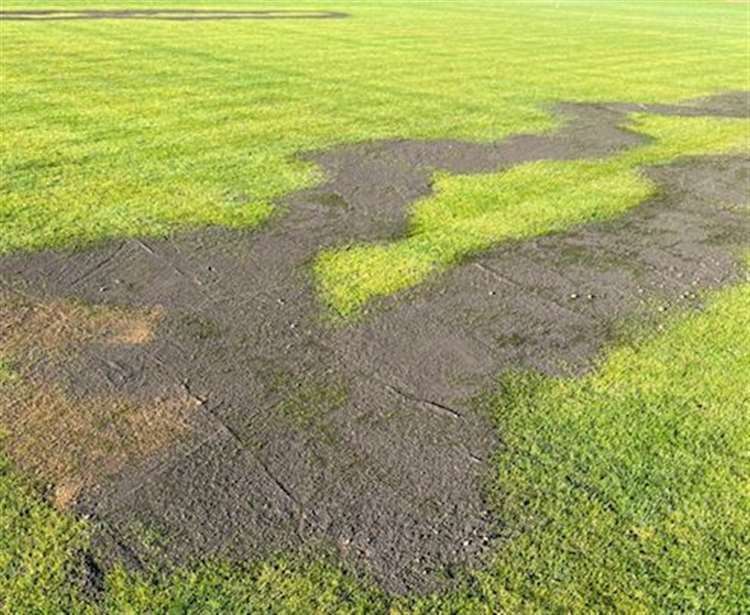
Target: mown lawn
(116,128)
(626,489)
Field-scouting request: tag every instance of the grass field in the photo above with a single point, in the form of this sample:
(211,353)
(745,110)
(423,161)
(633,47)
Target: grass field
(622,489)
(177,130)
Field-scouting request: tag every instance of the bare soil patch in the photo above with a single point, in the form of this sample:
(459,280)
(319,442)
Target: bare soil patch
(362,436)
(72,442)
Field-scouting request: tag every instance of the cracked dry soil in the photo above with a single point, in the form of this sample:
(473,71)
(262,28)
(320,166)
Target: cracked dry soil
(361,435)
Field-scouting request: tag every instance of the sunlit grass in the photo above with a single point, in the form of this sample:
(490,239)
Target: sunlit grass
(625,489)
(119,128)
(468,214)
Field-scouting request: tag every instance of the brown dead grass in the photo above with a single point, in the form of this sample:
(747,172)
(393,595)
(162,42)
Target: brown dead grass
(70,444)
(28,326)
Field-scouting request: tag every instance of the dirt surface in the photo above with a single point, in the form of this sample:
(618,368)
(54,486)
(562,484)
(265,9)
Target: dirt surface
(361,436)
(65,442)
(164,14)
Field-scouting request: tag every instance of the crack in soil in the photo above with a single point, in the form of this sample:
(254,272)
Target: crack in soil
(379,465)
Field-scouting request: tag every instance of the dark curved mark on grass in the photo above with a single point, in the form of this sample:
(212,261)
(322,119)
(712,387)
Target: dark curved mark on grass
(166,14)
(345,417)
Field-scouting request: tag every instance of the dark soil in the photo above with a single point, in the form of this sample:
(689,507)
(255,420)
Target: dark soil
(165,14)
(361,436)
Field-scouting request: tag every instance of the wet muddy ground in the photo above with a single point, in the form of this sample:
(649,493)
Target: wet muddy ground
(243,420)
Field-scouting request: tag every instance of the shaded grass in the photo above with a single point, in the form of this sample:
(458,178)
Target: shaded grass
(122,128)
(625,489)
(472,213)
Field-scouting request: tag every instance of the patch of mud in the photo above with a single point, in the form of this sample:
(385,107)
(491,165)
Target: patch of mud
(165,14)
(361,436)
(72,442)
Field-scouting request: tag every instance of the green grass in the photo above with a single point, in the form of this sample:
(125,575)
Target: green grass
(7,375)
(304,403)
(113,128)
(629,488)
(626,489)
(38,549)
(279,585)
(471,213)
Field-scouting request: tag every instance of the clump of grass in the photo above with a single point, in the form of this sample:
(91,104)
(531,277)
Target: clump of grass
(7,374)
(306,403)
